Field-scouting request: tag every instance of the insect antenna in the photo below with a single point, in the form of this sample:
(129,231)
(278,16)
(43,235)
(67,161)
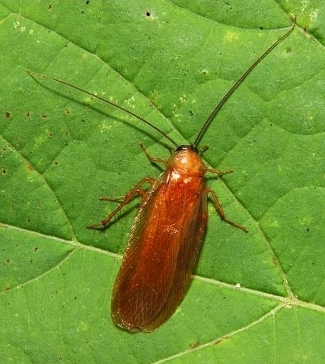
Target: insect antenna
(207,122)
(39,75)
(237,84)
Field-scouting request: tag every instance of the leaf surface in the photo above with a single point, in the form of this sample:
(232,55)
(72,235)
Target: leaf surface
(256,297)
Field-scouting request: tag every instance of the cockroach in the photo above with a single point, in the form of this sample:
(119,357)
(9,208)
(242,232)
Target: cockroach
(167,232)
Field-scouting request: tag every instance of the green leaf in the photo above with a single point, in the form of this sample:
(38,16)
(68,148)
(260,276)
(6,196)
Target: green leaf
(256,297)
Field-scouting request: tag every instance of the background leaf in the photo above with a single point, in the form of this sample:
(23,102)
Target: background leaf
(256,297)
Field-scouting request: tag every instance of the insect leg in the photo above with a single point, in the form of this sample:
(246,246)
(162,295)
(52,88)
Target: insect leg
(219,173)
(151,158)
(222,213)
(137,190)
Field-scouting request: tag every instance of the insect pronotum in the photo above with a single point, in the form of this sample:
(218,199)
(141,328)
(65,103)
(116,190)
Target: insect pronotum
(168,230)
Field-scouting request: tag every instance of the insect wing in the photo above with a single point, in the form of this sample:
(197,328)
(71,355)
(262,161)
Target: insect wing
(190,243)
(162,250)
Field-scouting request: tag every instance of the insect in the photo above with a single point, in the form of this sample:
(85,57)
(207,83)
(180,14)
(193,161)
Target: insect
(167,232)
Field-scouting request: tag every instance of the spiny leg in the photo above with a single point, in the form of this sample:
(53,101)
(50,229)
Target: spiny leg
(219,173)
(137,190)
(221,213)
(151,158)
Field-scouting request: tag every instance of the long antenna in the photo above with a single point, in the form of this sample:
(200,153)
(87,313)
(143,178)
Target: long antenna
(34,74)
(210,117)
(237,84)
